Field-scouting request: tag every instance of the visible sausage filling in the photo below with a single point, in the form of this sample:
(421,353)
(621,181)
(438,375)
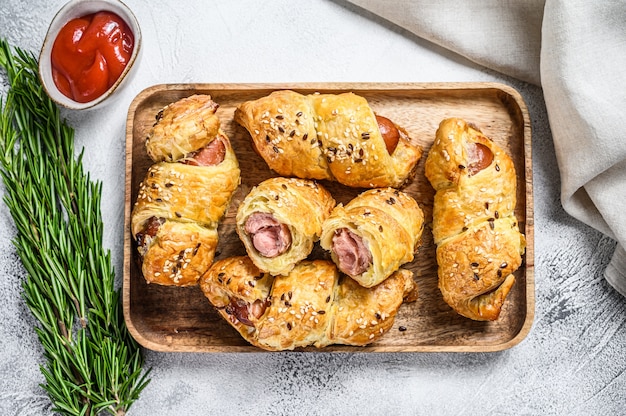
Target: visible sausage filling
(240,310)
(353,256)
(390,133)
(210,155)
(150,229)
(479,157)
(269,237)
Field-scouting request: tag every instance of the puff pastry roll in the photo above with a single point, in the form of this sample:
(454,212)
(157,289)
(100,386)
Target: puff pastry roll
(329,136)
(374,234)
(313,305)
(279,221)
(180,204)
(182,128)
(479,245)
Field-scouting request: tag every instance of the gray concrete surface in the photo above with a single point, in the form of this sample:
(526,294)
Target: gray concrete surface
(573,362)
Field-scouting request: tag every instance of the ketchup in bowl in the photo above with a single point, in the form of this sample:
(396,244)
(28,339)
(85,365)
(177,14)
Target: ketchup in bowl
(89,54)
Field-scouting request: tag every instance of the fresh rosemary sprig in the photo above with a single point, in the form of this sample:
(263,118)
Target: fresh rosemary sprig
(92,363)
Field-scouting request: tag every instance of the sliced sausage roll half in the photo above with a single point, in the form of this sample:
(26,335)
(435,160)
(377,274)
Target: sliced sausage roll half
(374,234)
(280,220)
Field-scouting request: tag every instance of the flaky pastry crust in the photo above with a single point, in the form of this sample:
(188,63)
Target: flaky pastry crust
(299,204)
(183,127)
(185,194)
(326,136)
(389,223)
(479,245)
(311,306)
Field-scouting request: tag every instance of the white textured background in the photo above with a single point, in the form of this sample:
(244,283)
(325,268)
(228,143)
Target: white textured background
(572,363)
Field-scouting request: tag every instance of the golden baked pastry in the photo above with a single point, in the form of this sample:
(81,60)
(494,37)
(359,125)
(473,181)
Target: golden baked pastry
(329,136)
(479,245)
(311,306)
(180,204)
(279,221)
(374,234)
(182,128)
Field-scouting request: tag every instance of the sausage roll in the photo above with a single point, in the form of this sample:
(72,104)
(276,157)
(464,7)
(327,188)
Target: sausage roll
(313,305)
(180,204)
(279,221)
(329,136)
(479,245)
(183,127)
(374,234)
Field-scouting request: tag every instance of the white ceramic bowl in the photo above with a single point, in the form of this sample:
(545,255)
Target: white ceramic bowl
(72,10)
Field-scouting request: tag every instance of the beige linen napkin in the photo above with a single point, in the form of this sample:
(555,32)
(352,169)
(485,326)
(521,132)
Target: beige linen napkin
(576,51)
(583,73)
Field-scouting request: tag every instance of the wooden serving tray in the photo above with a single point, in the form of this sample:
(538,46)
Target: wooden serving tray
(181,319)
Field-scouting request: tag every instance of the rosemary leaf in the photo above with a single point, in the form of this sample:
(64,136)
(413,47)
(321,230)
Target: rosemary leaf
(92,363)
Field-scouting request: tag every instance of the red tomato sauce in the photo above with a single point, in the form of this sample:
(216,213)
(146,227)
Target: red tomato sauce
(89,54)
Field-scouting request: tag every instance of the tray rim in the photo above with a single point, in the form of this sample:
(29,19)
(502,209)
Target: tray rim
(338,86)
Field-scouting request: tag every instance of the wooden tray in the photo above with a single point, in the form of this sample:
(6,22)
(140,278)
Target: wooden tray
(181,319)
